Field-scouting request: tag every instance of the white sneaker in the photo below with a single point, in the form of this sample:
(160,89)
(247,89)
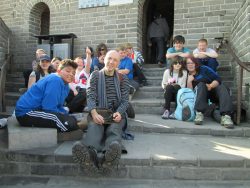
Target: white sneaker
(198,118)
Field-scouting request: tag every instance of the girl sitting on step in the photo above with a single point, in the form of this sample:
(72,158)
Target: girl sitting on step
(174,78)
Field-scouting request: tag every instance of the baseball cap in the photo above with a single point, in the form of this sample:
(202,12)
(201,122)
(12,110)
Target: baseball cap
(44,57)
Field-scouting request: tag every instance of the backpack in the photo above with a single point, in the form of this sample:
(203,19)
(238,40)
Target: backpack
(185,105)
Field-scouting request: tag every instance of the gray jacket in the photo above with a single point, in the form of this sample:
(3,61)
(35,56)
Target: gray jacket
(158,28)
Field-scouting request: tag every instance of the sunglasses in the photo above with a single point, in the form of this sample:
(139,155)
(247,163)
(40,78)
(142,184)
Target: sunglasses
(102,49)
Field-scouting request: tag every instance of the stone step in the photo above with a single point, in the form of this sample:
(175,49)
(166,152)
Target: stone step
(11,98)
(150,156)
(13,86)
(148,106)
(151,123)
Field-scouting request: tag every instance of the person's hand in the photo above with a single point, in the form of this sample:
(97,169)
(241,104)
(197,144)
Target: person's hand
(209,87)
(117,117)
(190,78)
(101,58)
(88,51)
(97,118)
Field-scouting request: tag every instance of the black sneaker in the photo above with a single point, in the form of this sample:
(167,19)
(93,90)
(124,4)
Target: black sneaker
(112,155)
(85,156)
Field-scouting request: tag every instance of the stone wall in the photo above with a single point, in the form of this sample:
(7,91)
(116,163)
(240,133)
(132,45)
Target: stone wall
(4,40)
(240,40)
(208,19)
(113,25)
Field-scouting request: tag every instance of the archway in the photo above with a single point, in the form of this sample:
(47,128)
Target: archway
(166,8)
(39,20)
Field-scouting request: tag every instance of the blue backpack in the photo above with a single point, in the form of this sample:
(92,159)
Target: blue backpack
(185,105)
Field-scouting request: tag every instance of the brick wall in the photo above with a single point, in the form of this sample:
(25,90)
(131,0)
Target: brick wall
(195,19)
(240,40)
(4,40)
(114,25)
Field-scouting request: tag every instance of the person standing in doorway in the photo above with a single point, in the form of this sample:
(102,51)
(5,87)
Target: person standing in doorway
(158,34)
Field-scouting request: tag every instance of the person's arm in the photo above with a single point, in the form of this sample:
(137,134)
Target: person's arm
(185,53)
(88,60)
(210,53)
(52,99)
(124,87)
(124,71)
(165,79)
(32,79)
(172,55)
(189,81)
(212,85)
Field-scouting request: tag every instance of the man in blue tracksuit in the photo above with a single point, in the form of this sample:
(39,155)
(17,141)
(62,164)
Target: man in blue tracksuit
(42,104)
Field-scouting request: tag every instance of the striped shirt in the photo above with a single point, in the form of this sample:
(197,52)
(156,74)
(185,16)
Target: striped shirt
(112,100)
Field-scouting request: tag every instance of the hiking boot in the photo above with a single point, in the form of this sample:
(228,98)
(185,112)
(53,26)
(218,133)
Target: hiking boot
(198,118)
(112,155)
(165,114)
(85,156)
(227,122)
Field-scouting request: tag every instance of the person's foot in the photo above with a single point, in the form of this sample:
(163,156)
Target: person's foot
(85,156)
(227,122)
(161,65)
(198,118)
(172,116)
(165,114)
(112,155)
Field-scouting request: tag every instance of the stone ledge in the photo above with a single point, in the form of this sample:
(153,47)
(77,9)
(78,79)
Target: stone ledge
(21,138)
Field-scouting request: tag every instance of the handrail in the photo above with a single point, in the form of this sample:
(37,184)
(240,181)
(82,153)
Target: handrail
(3,72)
(242,65)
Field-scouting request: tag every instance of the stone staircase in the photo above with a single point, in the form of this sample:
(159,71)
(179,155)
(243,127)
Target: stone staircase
(162,149)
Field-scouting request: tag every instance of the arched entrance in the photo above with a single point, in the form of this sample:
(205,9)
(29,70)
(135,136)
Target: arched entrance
(39,20)
(166,8)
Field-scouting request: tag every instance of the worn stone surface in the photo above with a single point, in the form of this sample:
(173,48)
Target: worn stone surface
(27,138)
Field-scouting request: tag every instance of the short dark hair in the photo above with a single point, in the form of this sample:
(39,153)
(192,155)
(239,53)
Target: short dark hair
(203,40)
(179,39)
(67,63)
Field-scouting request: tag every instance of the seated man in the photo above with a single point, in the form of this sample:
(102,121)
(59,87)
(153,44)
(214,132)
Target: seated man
(178,49)
(126,67)
(106,89)
(42,104)
(206,56)
(208,85)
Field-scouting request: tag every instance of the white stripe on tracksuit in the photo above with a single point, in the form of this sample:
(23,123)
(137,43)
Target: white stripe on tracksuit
(50,116)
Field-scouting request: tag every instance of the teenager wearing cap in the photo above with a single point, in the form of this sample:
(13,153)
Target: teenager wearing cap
(43,69)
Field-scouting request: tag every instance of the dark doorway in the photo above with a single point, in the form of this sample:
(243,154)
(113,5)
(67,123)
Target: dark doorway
(166,8)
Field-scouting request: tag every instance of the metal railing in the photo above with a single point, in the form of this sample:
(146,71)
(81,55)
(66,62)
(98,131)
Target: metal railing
(3,73)
(242,66)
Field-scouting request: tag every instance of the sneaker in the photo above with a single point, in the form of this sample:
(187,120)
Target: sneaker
(160,64)
(172,116)
(112,155)
(165,115)
(85,156)
(198,118)
(3,122)
(227,122)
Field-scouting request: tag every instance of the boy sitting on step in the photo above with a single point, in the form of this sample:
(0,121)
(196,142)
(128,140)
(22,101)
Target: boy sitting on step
(42,104)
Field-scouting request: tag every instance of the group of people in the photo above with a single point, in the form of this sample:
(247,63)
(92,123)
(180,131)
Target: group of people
(197,71)
(102,82)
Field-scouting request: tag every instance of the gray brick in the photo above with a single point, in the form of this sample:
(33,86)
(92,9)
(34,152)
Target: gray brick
(235,174)
(197,173)
(221,163)
(153,172)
